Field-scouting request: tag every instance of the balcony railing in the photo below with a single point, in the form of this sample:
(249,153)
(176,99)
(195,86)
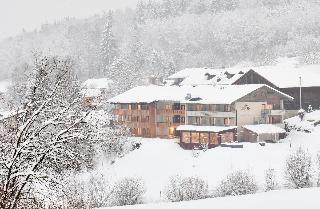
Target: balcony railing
(170,112)
(211,114)
(267,112)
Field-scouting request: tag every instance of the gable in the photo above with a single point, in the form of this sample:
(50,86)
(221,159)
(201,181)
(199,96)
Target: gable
(252,77)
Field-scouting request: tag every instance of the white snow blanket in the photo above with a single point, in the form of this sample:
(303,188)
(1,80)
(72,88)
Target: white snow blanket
(285,199)
(264,129)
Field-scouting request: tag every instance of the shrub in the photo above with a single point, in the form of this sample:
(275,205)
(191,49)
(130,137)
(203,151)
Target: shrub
(318,169)
(184,189)
(270,180)
(127,191)
(237,183)
(79,192)
(298,169)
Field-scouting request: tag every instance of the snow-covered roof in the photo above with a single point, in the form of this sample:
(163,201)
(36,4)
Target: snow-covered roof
(215,129)
(91,92)
(264,129)
(100,83)
(208,76)
(284,73)
(4,85)
(203,94)
(287,76)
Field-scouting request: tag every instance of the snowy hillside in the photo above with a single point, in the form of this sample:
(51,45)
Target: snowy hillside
(293,199)
(157,160)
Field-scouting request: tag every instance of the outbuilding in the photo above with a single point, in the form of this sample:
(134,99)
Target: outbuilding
(192,136)
(261,133)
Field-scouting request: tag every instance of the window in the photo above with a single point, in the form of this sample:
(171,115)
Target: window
(212,107)
(227,121)
(205,107)
(168,107)
(227,108)
(176,119)
(176,106)
(124,106)
(160,119)
(134,106)
(160,106)
(144,107)
(145,119)
(198,120)
(192,107)
(186,137)
(135,118)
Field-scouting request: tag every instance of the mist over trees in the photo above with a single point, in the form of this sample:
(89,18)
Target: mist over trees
(161,37)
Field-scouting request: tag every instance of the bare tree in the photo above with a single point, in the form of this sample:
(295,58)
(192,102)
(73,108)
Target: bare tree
(43,134)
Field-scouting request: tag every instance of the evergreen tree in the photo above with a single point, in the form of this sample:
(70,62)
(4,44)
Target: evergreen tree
(108,44)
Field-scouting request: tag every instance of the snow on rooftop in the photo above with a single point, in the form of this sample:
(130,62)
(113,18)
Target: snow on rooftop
(264,129)
(284,74)
(203,94)
(287,76)
(209,76)
(215,129)
(100,83)
(91,92)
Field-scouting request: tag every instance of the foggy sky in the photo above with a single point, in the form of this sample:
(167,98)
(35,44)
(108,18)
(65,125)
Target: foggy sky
(16,15)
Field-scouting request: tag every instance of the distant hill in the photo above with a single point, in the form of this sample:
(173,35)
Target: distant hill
(161,37)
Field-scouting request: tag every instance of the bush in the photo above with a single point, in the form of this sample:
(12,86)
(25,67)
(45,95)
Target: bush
(237,183)
(127,191)
(298,169)
(184,189)
(318,169)
(79,192)
(270,180)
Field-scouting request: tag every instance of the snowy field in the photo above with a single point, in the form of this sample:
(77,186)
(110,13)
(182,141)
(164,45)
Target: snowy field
(285,199)
(157,160)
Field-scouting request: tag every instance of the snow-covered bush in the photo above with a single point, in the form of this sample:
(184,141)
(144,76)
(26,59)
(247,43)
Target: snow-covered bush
(237,183)
(184,189)
(127,191)
(270,180)
(318,169)
(83,191)
(298,169)
(114,138)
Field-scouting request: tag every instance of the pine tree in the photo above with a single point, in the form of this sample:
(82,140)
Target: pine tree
(108,43)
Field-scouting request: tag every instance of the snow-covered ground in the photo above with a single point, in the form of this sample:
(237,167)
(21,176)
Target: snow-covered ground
(307,123)
(159,159)
(284,199)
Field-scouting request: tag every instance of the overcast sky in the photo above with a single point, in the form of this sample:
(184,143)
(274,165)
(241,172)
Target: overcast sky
(30,14)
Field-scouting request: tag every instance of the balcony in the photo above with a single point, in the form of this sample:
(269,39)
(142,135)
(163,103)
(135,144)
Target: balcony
(130,112)
(211,114)
(170,112)
(270,112)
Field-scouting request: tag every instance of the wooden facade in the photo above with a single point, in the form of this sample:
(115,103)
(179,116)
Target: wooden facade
(157,119)
(310,95)
(209,139)
(161,118)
